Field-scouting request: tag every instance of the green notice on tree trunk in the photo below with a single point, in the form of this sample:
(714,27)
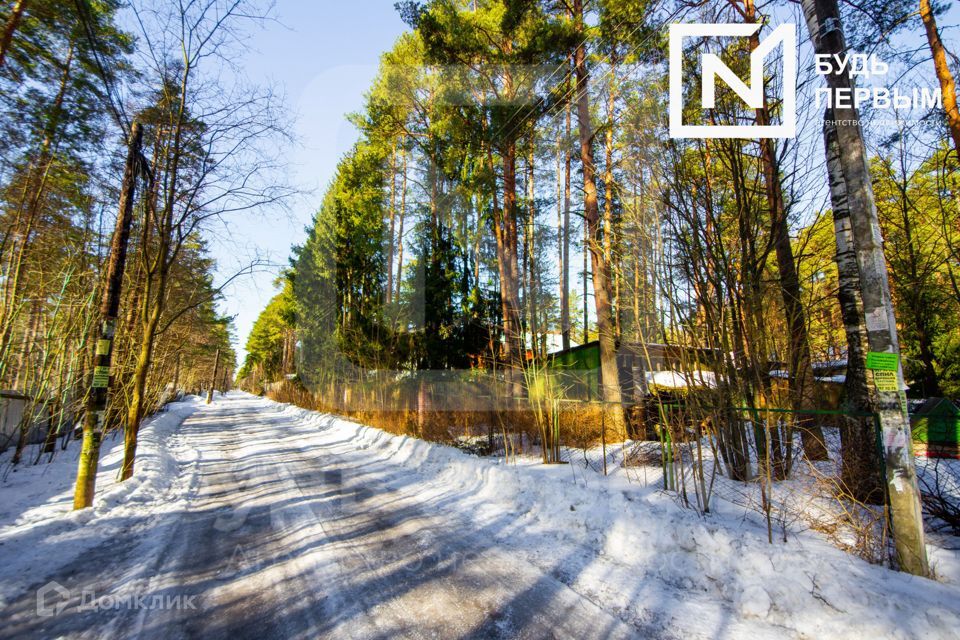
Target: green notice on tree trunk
(880,361)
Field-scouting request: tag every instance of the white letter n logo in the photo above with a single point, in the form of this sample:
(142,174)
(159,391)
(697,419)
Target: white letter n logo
(712,67)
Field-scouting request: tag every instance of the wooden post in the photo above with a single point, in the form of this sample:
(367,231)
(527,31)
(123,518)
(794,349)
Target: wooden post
(213,379)
(109,309)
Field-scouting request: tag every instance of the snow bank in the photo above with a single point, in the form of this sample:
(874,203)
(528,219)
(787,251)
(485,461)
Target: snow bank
(38,527)
(633,550)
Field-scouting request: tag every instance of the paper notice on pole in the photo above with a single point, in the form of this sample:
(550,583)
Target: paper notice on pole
(876,320)
(886,381)
(101,377)
(879,360)
(894,439)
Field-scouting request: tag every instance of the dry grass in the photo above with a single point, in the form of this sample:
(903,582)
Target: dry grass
(581,423)
(858,528)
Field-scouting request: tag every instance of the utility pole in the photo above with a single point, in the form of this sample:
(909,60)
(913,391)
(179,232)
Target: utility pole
(109,309)
(213,380)
(887,398)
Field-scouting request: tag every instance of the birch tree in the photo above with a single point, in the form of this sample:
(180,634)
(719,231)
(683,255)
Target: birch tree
(209,149)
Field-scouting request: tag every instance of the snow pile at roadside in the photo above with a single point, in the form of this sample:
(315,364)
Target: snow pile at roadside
(634,550)
(37,524)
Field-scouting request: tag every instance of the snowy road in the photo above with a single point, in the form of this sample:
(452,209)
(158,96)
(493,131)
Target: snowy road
(258,520)
(276,540)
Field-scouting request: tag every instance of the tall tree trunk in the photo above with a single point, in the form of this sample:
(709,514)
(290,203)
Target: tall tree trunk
(947,86)
(160,265)
(801,379)
(609,223)
(505,233)
(823,21)
(393,216)
(138,392)
(213,378)
(560,152)
(641,250)
(176,374)
(13,21)
(403,212)
(29,340)
(602,285)
(586,285)
(860,462)
(565,240)
(532,289)
(510,285)
(109,310)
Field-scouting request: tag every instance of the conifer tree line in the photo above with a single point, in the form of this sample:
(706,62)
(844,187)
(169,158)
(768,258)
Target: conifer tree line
(102,121)
(514,191)
(504,142)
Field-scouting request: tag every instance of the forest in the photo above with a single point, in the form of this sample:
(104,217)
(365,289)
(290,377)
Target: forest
(119,154)
(514,199)
(517,256)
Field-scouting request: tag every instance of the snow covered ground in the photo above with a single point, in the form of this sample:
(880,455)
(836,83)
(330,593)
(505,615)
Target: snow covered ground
(804,503)
(38,528)
(274,521)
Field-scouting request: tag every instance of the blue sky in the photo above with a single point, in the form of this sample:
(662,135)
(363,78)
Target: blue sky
(323,55)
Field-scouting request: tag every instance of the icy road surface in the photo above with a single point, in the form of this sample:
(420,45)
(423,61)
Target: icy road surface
(277,540)
(274,522)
